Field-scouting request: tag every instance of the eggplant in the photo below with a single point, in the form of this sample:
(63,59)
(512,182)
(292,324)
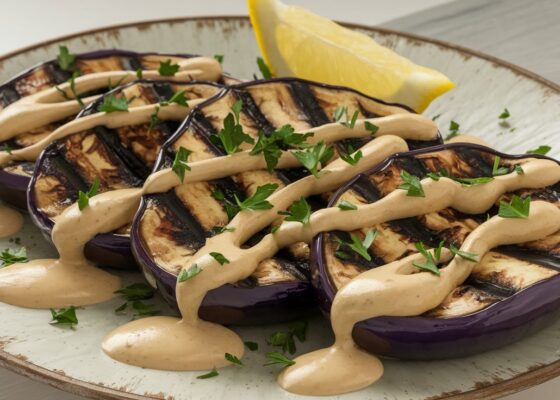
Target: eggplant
(513,291)
(170,226)
(14,178)
(121,158)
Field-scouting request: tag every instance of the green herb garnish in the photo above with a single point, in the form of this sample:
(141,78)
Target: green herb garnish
(167,69)
(64,317)
(7,148)
(496,169)
(189,273)
(463,254)
(219,257)
(233,359)
(275,357)
(178,98)
(285,339)
(437,250)
(519,169)
(258,200)
(361,247)
(347,156)
(134,292)
(230,207)
(314,157)
(453,130)
(232,135)
(253,346)
(371,127)
(65,59)
(436,117)
(219,58)
(209,375)
(299,211)
(180,163)
(154,119)
(543,149)
(139,73)
(265,70)
(429,265)
(517,208)
(341,115)
(411,184)
(83,197)
(221,229)
(274,229)
(504,115)
(143,309)
(463,181)
(346,205)
(10,256)
(111,103)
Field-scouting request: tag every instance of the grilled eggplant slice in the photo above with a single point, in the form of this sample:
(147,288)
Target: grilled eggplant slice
(15,177)
(171,226)
(121,158)
(513,291)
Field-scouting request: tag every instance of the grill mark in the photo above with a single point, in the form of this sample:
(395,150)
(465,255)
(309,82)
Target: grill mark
(59,166)
(9,95)
(251,109)
(131,63)
(365,188)
(297,267)
(476,161)
(308,104)
(491,288)
(543,259)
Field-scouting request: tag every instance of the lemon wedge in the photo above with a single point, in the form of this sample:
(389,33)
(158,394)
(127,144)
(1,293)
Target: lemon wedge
(296,42)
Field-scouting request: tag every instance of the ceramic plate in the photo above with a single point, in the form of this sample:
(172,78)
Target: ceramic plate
(73,360)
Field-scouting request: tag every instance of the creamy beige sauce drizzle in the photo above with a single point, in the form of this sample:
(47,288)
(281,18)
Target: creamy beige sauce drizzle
(11,221)
(49,105)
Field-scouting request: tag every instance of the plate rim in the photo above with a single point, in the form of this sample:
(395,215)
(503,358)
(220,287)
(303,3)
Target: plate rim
(21,366)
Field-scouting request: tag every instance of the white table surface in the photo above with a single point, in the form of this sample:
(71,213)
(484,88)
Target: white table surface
(522,31)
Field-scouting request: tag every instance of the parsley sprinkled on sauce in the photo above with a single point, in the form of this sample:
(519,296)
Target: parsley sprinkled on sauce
(346,205)
(212,374)
(166,68)
(233,359)
(64,317)
(265,70)
(299,211)
(189,273)
(453,130)
(371,127)
(543,149)
(139,73)
(231,136)
(429,264)
(219,257)
(519,169)
(177,98)
(314,157)
(276,358)
(348,157)
(111,103)
(155,120)
(411,184)
(66,60)
(83,197)
(11,256)
(258,200)
(179,165)
(516,208)
(463,254)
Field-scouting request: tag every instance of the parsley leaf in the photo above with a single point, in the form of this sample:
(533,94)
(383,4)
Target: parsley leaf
(10,256)
(443,172)
(361,247)
(65,59)
(453,130)
(219,58)
(111,103)
(505,114)
(180,163)
(83,198)
(429,265)
(209,375)
(219,257)
(230,208)
(463,254)
(543,149)
(178,98)
(341,115)
(258,200)
(314,156)
(265,70)
(496,169)
(136,291)
(436,117)
(285,340)
(7,148)
(411,184)
(154,119)
(519,169)
(347,156)
(371,127)
(233,359)
(275,357)
(346,205)
(189,273)
(167,69)
(253,346)
(299,211)
(139,73)
(143,309)
(517,208)
(232,135)
(437,250)
(64,317)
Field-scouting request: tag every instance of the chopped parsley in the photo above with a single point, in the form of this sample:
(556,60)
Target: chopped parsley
(219,257)
(139,73)
(314,157)
(299,211)
(504,115)
(496,169)
(134,292)
(66,60)
(265,70)
(177,98)
(166,68)
(542,150)
(232,135)
(7,148)
(216,230)
(258,200)
(411,184)
(83,197)
(142,309)
(276,358)
(453,130)
(371,127)
(519,169)
(429,264)
(463,254)
(436,117)
(213,373)
(443,172)
(347,156)
(285,339)
(361,247)
(219,58)
(252,346)
(346,205)
(230,207)
(179,165)
(341,115)
(189,273)
(517,208)
(111,103)
(154,119)
(233,359)
(64,317)
(11,256)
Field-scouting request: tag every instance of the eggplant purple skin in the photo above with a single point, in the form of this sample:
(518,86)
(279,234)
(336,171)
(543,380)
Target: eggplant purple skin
(245,306)
(422,338)
(13,187)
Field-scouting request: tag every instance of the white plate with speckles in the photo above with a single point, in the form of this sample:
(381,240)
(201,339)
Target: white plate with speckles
(73,360)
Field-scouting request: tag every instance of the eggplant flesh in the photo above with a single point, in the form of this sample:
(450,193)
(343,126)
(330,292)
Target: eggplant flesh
(493,307)
(171,227)
(14,178)
(121,158)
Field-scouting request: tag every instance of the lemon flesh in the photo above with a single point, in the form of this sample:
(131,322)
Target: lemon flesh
(296,42)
